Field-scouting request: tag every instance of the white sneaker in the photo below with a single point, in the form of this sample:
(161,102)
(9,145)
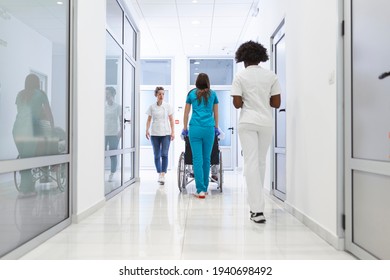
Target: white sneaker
(258,217)
(162,180)
(159,178)
(200,195)
(110,177)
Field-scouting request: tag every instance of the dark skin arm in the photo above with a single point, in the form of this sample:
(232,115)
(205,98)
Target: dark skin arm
(274,101)
(237,101)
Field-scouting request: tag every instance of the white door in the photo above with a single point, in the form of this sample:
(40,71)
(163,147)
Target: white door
(367,128)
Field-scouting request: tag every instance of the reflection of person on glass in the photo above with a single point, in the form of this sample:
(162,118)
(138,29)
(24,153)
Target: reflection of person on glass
(33,125)
(162,132)
(113,120)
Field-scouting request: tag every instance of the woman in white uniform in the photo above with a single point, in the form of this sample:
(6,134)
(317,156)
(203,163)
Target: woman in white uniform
(255,91)
(162,132)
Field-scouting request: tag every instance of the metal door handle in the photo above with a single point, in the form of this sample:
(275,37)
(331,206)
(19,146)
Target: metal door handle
(232,129)
(384,75)
(282,110)
(127,121)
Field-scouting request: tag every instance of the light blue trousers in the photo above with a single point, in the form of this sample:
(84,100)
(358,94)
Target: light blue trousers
(201,141)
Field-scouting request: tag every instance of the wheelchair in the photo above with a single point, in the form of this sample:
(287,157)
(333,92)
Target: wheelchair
(185,173)
(53,173)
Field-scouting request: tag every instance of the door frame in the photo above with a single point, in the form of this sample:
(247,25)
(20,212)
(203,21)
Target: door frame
(278,34)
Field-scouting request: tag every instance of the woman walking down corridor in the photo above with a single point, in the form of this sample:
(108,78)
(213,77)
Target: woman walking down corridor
(255,91)
(160,118)
(203,128)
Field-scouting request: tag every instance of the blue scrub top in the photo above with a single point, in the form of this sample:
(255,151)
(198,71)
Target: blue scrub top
(202,114)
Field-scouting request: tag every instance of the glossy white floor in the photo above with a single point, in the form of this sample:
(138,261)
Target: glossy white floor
(149,221)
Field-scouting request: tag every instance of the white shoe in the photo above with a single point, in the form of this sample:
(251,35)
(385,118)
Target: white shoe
(258,217)
(162,180)
(201,195)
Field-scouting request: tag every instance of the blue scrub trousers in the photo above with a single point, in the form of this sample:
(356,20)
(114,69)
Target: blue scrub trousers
(201,141)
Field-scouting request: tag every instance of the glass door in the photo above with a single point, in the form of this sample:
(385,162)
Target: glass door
(113,116)
(367,129)
(279,155)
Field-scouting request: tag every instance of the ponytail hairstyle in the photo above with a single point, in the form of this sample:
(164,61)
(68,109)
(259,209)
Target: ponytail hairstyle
(203,88)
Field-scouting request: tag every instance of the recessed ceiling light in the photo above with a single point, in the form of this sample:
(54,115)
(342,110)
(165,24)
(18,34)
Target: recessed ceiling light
(195,22)
(194,1)
(196,62)
(196,46)
(60,2)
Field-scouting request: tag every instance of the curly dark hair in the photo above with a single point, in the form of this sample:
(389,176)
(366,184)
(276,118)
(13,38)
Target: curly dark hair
(251,52)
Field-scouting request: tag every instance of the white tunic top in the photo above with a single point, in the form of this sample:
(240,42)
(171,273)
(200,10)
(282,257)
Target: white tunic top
(256,86)
(160,119)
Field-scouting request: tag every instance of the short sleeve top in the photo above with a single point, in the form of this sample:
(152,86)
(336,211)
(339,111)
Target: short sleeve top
(160,118)
(202,113)
(256,86)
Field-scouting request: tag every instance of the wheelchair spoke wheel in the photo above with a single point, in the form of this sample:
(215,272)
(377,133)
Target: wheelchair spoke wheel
(61,176)
(35,172)
(220,181)
(181,173)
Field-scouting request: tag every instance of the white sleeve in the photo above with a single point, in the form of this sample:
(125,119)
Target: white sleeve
(275,88)
(149,111)
(170,110)
(236,89)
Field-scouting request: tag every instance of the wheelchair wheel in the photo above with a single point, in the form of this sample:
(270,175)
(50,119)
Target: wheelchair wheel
(36,174)
(220,174)
(181,173)
(61,176)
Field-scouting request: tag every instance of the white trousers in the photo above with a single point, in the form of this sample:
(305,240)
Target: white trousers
(255,141)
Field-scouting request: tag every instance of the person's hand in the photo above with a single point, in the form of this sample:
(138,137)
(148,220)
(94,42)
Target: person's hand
(172,136)
(216,131)
(147,135)
(184,133)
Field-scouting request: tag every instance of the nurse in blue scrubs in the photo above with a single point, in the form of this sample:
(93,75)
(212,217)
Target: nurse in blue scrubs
(203,127)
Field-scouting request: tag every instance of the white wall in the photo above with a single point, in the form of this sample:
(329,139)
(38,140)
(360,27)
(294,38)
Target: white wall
(311,53)
(89,106)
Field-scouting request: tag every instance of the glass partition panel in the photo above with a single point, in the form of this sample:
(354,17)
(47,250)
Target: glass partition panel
(224,115)
(33,80)
(220,71)
(113,110)
(156,72)
(130,39)
(34,118)
(114,18)
(32,201)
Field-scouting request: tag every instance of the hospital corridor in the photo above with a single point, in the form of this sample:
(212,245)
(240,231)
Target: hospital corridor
(94,92)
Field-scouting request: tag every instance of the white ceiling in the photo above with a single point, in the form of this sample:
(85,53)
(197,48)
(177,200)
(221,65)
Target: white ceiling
(192,28)
(167,26)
